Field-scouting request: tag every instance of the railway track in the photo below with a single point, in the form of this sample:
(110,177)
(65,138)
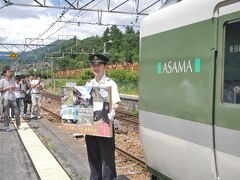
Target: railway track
(127,116)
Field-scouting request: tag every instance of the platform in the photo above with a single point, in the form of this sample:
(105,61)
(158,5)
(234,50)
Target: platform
(41,150)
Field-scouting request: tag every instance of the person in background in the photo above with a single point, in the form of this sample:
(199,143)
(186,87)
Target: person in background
(28,93)
(7,86)
(23,94)
(101,150)
(28,81)
(37,88)
(1,101)
(17,92)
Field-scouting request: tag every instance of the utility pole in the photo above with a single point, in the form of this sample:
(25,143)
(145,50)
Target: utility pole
(42,67)
(105,47)
(52,73)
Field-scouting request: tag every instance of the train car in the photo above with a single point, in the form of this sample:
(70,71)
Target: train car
(189,90)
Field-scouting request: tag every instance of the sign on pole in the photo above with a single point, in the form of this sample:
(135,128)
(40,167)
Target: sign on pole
(8,55)
(13,55)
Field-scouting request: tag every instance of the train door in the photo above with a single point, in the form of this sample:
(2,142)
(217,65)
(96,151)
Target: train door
(227,99)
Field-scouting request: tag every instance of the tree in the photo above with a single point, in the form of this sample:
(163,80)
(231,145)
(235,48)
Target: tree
(130,44)
(129,30)
(116,37)
(106,35)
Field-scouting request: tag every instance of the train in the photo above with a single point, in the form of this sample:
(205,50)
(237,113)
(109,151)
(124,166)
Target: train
(189,90)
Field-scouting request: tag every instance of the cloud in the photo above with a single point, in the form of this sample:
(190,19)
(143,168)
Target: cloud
(20,22)
(3,39)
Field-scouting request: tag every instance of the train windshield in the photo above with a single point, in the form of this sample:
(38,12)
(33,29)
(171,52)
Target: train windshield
(231,88)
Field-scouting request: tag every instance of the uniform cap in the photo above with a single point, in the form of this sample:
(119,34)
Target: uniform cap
(98,59)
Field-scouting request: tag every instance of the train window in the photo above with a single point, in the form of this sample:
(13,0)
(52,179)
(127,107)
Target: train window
(231,88)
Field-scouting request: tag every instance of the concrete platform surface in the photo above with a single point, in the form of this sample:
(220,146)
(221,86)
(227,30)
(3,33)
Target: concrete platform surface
(15,163)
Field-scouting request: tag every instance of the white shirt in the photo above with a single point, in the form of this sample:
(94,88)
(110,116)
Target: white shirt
(107,82)
(18,90)
(37,89)
(9,94)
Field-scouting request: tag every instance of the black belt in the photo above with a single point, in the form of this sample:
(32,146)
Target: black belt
(35,93)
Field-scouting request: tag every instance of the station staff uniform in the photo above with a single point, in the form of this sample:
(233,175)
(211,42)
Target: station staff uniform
(101,150)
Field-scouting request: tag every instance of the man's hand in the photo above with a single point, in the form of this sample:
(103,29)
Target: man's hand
(111,115)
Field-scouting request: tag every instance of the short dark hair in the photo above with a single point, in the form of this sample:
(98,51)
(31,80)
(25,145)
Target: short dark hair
(39,75)
(7,68)
(17,77)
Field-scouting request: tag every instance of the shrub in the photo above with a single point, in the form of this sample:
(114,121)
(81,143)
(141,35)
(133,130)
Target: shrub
(85,76)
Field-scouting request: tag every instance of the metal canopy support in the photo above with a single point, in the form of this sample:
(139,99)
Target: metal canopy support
(148,7)
(38,3)
(18,47)
(118,5)
(75,5)
(83,8)
(71,4)
(23,44)
(100,17)
(5,47)
(108,3)
(137,6)
(97,23)
(30,40)
(6,3)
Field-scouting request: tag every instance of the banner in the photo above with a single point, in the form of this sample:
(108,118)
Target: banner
(84,110)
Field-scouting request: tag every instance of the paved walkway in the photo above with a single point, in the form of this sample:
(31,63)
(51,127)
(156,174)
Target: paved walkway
(15,163)
(45,163)
(24,156)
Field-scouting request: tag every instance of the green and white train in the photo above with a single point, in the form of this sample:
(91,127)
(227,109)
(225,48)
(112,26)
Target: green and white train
(190,90)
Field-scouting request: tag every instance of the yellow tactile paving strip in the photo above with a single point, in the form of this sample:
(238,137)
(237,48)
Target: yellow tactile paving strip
(46,165)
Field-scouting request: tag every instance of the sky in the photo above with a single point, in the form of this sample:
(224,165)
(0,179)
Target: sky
(22,24)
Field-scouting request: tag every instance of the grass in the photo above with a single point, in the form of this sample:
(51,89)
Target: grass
(47,142)
(58,83)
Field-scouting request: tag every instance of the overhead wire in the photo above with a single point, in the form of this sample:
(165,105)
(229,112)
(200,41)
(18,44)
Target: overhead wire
(73,18)
(63,12)
(6,47)
(80,13)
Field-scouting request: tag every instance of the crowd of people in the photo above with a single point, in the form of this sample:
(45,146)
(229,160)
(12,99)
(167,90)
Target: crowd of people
(16,92)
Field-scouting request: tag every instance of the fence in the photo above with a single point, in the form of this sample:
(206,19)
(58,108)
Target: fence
(72,73)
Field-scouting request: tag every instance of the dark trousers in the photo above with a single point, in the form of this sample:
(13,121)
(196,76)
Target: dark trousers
(101,157)
(18,101)
(25,104)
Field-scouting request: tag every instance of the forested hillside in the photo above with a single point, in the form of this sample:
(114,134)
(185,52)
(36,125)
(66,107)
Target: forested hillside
(119,46)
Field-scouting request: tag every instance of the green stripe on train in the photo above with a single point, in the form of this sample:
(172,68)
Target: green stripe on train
(175,76)
(185,95)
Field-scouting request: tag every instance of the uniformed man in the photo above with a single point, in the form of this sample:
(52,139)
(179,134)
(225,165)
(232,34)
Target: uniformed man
(101,150)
